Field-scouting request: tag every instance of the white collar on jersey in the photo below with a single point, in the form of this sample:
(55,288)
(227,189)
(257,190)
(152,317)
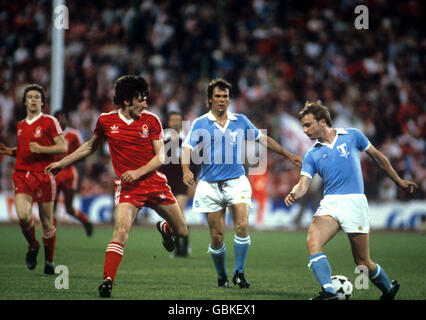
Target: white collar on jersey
(331,146)
(127,121)
(34,119)
(230,116)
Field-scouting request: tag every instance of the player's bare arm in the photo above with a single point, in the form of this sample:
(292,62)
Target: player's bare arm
(274,146)
(59,147)
(298,191)
(155,163)
(188,176)
(4,150)
(384,163)
(82,152)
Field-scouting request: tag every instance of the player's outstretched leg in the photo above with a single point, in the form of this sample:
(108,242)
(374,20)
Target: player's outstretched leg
(168,236)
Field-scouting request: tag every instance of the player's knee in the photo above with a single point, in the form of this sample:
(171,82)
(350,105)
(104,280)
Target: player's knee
(241,229)
(217,238)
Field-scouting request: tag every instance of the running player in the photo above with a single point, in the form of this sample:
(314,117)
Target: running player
(67,179)
(335,157)
(39,138)
(134,137)
(223,183)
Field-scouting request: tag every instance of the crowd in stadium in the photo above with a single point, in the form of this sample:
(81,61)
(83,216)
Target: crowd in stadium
(277,55)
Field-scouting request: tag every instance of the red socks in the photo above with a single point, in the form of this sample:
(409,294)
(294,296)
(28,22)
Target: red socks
(166,229)
(28,229)
(49,240)
(114,254)
(81,216)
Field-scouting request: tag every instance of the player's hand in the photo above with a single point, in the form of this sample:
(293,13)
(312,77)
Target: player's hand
(188,178)
(130,176)
(3,149)
(290,199)
(35,147)
(296,160)
(408,186)
(53,168)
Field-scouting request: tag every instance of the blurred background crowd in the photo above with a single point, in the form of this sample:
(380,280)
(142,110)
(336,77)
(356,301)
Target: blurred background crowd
(277,54)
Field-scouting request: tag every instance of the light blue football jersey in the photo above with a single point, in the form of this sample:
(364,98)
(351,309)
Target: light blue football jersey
(221,155)
(339,163)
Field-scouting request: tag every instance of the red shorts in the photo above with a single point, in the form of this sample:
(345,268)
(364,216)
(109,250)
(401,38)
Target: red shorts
(148,192)
(67,178)
(37,184)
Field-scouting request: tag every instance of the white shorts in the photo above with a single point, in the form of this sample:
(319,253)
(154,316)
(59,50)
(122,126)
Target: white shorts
(349,210)
(210,196)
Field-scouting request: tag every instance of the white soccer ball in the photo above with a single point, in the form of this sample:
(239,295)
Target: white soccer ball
(343,287)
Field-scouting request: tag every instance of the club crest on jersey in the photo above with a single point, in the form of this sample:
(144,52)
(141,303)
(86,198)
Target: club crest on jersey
(145,131)
(37,133)
(114,129)
(343,149)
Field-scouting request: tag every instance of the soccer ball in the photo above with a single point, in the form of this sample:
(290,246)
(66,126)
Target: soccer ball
(343,287)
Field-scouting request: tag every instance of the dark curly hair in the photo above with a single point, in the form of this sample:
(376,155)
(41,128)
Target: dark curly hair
(34,86)
(128,87)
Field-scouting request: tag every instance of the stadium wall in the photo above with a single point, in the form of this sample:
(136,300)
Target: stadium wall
(391,215)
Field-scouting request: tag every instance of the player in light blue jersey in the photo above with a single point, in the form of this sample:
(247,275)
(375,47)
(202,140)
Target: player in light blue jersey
(223,183)
(335,157)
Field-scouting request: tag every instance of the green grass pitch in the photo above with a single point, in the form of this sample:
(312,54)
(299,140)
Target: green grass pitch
(276,266)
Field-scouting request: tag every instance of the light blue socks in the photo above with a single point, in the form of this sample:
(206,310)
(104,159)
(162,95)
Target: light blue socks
(322,270)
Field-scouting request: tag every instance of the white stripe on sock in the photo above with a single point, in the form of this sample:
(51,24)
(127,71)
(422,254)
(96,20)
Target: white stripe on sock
(216,251)
(115,248)
(240,240)
(377,272)
(315,260)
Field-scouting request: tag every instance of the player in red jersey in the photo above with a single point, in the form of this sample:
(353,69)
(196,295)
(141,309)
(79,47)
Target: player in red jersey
(135,141)
(67,179)
(39,138)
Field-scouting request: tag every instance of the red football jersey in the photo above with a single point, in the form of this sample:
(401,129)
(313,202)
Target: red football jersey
(42,129)
(129,141)
(73,139)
